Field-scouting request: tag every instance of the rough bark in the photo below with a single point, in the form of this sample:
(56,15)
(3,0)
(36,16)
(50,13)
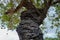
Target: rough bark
(28,28)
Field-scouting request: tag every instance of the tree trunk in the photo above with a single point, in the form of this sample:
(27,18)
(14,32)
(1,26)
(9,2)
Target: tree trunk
(28,28)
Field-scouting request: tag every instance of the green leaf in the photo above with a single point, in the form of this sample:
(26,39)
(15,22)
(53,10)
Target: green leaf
(1,5)
(5,18)
(15,20)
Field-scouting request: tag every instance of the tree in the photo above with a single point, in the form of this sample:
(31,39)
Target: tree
(28,18)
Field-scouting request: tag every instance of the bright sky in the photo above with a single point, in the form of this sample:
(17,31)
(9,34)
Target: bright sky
(8,35)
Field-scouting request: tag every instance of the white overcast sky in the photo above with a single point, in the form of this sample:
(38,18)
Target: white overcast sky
(12,35)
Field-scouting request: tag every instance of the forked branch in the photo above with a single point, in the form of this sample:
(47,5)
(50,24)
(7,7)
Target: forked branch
(24,3)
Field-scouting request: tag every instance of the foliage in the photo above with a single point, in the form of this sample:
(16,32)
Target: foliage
(52,38)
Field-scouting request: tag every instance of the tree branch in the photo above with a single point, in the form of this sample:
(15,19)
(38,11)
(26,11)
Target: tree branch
(24,3)
(45,2)
(47,5)
(57,1)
